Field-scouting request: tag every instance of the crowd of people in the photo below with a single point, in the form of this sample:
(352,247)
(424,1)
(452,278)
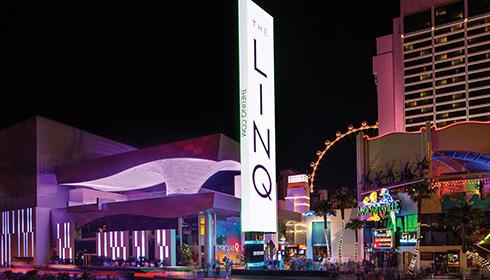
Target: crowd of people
(364,270)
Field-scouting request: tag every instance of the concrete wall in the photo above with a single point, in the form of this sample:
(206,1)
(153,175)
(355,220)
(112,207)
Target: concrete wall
(387,68)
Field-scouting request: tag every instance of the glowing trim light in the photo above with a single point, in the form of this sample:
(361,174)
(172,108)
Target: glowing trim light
(301,178)
(328,144)
(297,197)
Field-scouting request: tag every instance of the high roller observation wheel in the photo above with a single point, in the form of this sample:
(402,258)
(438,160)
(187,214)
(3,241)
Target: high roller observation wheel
(328,144)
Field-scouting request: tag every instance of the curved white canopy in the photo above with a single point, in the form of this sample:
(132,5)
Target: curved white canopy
(180,175)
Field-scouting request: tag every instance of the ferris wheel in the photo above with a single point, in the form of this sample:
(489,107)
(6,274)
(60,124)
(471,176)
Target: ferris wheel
(335,165)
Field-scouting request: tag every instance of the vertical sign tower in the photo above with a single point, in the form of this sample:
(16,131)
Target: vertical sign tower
(257,129)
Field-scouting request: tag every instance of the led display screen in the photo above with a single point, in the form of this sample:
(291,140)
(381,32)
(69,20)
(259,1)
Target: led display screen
(383,239)
(318,234)
(408,238)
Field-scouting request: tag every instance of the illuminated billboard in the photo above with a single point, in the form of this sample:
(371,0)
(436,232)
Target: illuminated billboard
(408,238)
(257,124)
(376,206)
(383,239)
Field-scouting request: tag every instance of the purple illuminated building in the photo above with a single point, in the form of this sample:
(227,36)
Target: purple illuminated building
(69,196)
(434,67)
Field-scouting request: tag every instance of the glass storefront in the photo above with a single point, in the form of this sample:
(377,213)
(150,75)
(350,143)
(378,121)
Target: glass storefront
(318,240)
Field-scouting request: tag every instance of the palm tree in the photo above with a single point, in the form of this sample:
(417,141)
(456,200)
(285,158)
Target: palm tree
(356,225)
(418,192)
(343,199)
(465,219)
(323,209)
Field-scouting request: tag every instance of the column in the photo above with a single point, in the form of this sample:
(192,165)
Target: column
(180,223)
(210,244)
(201,230)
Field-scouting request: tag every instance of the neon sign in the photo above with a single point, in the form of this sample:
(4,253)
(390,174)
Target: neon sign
(377,206)
(408,238)
(228,248)
(383,239)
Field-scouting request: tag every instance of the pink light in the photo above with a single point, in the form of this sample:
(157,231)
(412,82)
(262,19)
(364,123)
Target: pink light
(423,128)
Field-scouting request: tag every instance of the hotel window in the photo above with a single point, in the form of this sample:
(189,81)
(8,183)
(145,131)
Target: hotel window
(446,64)
(478,57)
(419,119)
(478,31)
(441,57)
(418,70)
(418,78)
(449,72)
(479,48)
(478,39)
(478,22)
(425,77)
(480,92)
(450,80)
(416,22)
(418,86)
(441,82)
(417,54)
(408,47)
(451,106)
(479,75)
(450,89)
(418,61)
(478,7)
(420,36)
(441,40)
(481,118)
(418,95)
(479,84)
(480,101)
(450,46)
(479,66)
(450,97)
(411,104)
(418,103)
(457,61)
(451,115)
(449,13)
(480,110)
(418,111)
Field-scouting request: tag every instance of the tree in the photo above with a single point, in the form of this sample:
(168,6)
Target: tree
(186,254)
(323,209)
(466,219)
(343,199)
(356,225)
(418,192)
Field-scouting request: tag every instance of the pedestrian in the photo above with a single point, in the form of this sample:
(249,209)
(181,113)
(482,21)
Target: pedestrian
(228,267)
(217,268)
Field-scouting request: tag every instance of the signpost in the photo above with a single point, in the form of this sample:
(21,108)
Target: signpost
(257,128)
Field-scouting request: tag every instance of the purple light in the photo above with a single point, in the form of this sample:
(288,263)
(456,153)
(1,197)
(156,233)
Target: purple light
(181,175)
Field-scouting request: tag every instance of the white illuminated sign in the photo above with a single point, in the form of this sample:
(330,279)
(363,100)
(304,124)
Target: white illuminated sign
(257,124)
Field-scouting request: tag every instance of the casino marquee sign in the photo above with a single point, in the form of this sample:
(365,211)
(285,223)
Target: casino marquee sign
(378,205)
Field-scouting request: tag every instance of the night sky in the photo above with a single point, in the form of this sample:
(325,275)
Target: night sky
(150,72)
